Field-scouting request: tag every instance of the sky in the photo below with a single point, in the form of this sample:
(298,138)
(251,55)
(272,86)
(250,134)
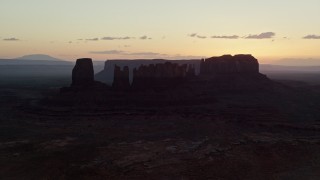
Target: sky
(172,29)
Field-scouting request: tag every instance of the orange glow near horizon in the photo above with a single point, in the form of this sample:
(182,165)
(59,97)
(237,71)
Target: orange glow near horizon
(154,29)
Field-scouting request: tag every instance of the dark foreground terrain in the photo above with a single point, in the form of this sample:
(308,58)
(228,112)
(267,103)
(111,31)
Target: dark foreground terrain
(233,136)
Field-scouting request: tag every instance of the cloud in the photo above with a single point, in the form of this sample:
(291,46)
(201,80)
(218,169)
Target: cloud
(111,38)
(312,36)
(195,35)
(108,52)
(144,37)
(146,54)
(11,39)
(201,37)
(117,52)
(225,37)
(180,57)
(108,38)
(93,39)
(266,35)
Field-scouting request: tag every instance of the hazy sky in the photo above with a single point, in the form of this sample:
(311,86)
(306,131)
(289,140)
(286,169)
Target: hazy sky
(107,29)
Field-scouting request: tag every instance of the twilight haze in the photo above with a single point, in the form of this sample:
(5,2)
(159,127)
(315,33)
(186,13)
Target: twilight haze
(173,29)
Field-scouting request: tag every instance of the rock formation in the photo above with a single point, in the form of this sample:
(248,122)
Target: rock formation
(191,71)
(83,78)
(165,70)
(159,75)
(121,78)
(82,73)
(228,64)
(239,72)
(233,73)
(106,75)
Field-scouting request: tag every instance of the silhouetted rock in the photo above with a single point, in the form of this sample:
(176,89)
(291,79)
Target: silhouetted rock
(82,73)
(121,78)
(167,83)
(159,75)
(217,74)
(165,70)
(83,78)
(106,75)
(228,64)
(191,71)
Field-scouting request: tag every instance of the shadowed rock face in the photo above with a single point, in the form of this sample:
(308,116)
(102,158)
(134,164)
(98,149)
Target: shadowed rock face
(160,75)
(83,73)
(107,75)
(165,70)
(228,64)
(191,70)
(121,78)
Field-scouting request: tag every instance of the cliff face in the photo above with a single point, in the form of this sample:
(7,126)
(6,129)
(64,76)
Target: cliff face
(121,78)
(160,75)
(83,73)
(107,75)
(191,72)
(165,70)
(228,64)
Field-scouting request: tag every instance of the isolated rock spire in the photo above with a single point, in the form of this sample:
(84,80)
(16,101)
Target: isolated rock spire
(83,73)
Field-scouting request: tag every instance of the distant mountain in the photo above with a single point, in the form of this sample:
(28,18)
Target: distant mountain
(39,57)
(35,59)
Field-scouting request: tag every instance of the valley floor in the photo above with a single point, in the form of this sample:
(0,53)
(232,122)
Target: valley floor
(227,139)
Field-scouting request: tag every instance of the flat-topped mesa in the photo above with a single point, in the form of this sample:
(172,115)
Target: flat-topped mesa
(160,75)
(121,78)
(228,64)
(83,73)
